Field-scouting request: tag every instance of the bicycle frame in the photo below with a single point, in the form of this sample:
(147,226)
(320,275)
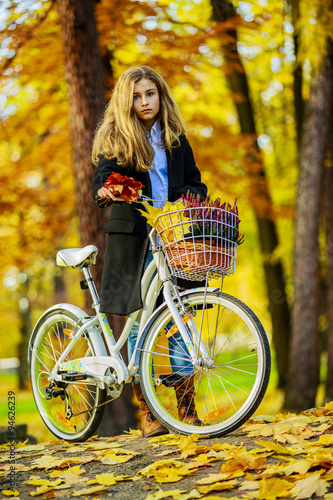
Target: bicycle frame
(96,366)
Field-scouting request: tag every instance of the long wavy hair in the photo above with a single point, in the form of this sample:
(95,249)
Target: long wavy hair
(121,135)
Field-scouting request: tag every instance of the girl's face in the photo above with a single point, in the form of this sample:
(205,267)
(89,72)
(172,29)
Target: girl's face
(146,102)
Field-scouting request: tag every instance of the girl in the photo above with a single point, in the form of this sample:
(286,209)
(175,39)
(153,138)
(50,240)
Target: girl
(142,135)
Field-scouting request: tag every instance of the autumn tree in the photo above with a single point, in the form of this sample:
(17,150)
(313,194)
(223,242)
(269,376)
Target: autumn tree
(304,360)
(224,12)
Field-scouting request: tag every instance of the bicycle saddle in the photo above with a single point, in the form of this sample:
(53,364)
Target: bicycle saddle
(77,257)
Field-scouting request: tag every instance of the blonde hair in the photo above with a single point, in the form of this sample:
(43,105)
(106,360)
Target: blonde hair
(122,136)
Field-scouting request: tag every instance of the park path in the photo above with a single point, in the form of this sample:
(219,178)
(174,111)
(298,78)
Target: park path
(286,456)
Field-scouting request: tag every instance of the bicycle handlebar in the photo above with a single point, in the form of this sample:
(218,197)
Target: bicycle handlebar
(105,202)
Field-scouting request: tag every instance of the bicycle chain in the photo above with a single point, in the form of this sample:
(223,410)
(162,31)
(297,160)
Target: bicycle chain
(94,407)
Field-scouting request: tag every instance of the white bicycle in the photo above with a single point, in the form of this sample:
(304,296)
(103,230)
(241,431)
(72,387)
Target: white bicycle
(202,335)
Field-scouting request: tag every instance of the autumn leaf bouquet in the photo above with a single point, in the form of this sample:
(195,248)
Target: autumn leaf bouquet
(213,218)
(122,187)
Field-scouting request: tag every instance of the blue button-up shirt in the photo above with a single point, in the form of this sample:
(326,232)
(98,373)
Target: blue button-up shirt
(159,170)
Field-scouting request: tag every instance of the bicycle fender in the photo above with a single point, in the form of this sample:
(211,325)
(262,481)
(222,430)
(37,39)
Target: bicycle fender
(93,332)
(157,312)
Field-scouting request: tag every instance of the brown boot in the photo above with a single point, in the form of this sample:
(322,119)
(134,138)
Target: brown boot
(150,426)
(185,393)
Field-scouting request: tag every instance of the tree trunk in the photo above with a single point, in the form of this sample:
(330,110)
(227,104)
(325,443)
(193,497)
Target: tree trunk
(304,363)
(86,88)
(260,196)
(328,216)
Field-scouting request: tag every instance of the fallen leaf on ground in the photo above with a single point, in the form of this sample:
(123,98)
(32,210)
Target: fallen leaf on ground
(220,486)
(76,470)
(46,482)
(312,485)
(48,462)
(176,494)
(272,488)
(88,491)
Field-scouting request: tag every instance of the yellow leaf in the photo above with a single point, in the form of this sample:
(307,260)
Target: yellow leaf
(328,476)
(98,446)
(231,466)
(176,494)
(65,486)
(168,471)
(10,493)
(41,490)
(248,461)
(113,458)
(329,406)
(250,485)
(150,469)
(104,479)
(133,432)
(206,458)
(312,485)
(188,445)
(272,488)
(166,439)
(88,491)
(123,478)
(298,420)
(328,496)
(300,467)
(167,476)
(72,470)
(47,482)
(220,486)
(31,447)
(47,462)
(269,445)
(326,440)
(223,447)
(169,221)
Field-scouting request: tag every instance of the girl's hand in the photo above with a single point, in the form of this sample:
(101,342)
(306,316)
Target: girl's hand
(107,193)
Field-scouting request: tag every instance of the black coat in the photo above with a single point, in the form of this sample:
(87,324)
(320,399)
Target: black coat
(127,242)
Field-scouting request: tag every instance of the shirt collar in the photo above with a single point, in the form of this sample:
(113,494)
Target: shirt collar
(155,131)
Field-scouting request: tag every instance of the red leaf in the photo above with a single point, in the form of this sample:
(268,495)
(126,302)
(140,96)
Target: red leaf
(125,187)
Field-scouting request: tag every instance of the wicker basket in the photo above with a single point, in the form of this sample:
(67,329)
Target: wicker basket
(189,255)
(192,256)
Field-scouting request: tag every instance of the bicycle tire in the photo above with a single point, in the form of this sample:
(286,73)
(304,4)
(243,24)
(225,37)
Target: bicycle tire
(48,341)
(220,397)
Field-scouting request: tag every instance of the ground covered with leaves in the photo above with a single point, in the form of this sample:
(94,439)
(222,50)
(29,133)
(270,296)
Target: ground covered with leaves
(286,456)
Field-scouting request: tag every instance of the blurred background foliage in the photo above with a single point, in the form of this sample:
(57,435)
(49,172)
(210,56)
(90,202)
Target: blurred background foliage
(183,41)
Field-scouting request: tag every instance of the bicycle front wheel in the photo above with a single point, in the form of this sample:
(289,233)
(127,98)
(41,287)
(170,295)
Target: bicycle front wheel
(68,409)
(222,390)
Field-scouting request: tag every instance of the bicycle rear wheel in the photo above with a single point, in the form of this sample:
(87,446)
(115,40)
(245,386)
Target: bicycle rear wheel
(220,393)
(48,342)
